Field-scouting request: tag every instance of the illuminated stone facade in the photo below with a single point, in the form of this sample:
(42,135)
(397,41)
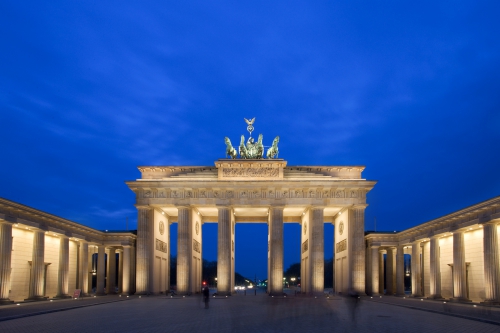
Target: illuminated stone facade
(453,257)
(246,191)
(44,256)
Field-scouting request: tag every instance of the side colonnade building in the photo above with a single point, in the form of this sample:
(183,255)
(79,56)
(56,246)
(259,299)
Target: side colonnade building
(453,257)
(44,256)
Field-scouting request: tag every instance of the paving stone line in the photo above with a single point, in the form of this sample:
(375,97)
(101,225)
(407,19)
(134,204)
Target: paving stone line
(56,310)
(487,321)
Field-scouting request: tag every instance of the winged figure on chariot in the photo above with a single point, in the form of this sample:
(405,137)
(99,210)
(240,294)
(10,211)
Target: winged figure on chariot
(252,149)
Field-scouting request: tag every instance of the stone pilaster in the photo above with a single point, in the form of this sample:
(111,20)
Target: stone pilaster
(145,235)
(224,251)
(317,250)
(491,264)
(37,267)
(357,241)
(400,271)
(5,261)
(120,271)
(101,269)
(415,269)
(374,270)
(435,269)
(125,259)
(184,248)
(111,280)
(63,269)
(381,269)
(391,271)
(459,268)
(275,278)
(83,269)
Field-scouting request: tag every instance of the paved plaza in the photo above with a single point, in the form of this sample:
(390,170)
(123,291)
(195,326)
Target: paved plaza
(240,313)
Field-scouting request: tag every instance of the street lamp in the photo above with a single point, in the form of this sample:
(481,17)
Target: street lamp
(293,280)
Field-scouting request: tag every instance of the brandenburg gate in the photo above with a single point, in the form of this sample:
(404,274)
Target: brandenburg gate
(251,188)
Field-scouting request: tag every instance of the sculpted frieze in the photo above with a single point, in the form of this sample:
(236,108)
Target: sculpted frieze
(250,172)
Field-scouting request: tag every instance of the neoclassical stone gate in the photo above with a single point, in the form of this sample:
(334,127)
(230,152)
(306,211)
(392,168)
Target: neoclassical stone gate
(247,190)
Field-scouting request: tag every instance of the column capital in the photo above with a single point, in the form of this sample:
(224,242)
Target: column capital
(317,207)
(359,206)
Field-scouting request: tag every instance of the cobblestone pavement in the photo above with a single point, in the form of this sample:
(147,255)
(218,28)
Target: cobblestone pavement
(236,314)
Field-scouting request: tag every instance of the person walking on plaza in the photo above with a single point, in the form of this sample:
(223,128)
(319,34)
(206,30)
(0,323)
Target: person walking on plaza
(206,296)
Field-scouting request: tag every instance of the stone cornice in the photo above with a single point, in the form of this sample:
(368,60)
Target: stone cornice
(16,213)
(465,219)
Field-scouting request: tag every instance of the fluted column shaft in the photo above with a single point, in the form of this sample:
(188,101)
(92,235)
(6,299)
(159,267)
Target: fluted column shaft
(357,240)
(101,269)
(415,269)
(126,270)
(317,248)
(391,271)
(435,269)
(63,269)
(459,268)
(5,260)
(381,269)
(374,270)
(145,235)
(184,241)
(111,280)
(224,251)
(491,265)
(276,251)
(400,270)
(120,271)
(83,269)
(37,266)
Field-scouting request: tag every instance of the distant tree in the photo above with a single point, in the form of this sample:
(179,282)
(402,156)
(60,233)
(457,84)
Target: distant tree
(292,271)
(209,271)
(173,270)
(328,273)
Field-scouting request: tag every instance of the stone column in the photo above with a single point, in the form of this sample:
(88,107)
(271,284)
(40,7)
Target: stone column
(357,240)
(5,261)
(224,251)
(111,280)
(375,270)
(120,271)
(317,250)
(37,266)
(126,279)
(491,264)
(63,270)
(101,269)
(133,269)
(459,268)
(83,269)
(415,269)
(391,271)
(400,271)
(435,269)
(145,235)
(184,248)
(381,275)
(275,277)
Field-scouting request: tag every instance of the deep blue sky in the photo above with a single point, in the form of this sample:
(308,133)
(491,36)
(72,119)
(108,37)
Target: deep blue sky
(89,90)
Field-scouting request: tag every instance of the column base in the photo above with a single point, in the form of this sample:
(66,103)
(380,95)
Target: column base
(36,299)
(490,303)
(416,295)
(460,300)
(436,297)
(6,301)
(65,296)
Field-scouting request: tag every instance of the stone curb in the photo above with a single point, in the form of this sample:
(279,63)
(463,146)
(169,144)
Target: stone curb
(487,321)
(55,310)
